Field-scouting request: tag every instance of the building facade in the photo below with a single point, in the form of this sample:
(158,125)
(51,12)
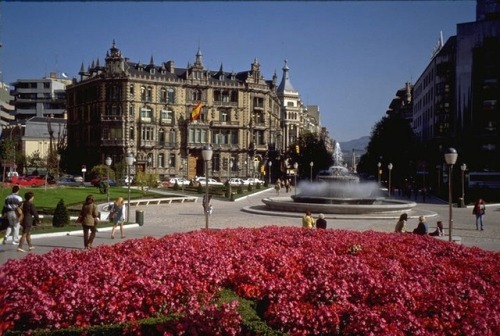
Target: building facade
(43,97)
(457,97)
(164,115)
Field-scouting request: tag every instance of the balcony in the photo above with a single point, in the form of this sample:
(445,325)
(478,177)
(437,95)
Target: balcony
(147,143)
(229,124)
(113,142)
(225,103)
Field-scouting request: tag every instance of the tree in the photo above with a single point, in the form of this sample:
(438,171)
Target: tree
(311,148)
(61,216)
(392,141)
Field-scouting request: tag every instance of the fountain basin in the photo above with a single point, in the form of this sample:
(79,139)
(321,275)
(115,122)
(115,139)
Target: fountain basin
(326,205)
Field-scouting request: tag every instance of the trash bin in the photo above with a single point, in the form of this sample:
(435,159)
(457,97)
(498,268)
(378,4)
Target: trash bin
(461,202)
(139,217)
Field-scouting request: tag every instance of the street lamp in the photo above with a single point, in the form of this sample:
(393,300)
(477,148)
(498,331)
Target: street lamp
(463,167)
(311,164)
(149,161)
(229,168)
(379,172)
(58,165)
(450,157)
(270,163)
(295,166)
(108,163)
(389,166)
(129,160)
(206,153)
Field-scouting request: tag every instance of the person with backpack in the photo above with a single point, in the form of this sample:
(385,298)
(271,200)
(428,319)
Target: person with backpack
(479,210)
(11,213)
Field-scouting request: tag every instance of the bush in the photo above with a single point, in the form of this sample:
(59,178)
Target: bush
(240,189)
(250,187)
(61,216)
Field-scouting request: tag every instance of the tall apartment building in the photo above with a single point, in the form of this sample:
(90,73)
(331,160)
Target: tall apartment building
(456,98)
(148,110)
(43,97)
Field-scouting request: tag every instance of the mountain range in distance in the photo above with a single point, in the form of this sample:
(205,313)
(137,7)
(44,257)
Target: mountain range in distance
(357,145)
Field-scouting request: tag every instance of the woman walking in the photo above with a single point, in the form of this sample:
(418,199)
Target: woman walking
(89,219)
(479,210)
(117,216)
(28,218)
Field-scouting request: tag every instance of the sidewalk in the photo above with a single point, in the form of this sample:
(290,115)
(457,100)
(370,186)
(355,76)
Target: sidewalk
(183,217)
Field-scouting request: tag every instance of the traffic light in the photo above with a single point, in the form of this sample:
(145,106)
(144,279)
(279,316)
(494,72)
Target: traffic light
(297,149)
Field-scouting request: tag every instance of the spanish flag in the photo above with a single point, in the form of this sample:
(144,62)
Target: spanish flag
(196,112)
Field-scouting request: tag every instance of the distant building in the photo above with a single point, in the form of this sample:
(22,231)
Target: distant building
(456,100)
(402,104)
(40,97)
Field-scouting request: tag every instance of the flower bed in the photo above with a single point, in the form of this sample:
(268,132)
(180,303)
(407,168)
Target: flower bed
(303,282)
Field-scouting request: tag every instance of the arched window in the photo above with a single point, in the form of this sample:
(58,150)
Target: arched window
(161,136)
(143,93)
(161,160)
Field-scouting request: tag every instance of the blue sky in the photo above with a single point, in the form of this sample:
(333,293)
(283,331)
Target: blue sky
(348,57)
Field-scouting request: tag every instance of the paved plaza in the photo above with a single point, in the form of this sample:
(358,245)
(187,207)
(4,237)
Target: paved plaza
(249,212)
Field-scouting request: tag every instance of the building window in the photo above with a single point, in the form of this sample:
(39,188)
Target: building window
(132,133)
(196,95)
(131,89)
(258,102)
(224,116)
(171,96)
(171,137)
(163,95)
(167,116)
(197,135)
(171,161)
(161,160)
(143,93)
(147,133)
(161,136)
(149,94)
(146,114)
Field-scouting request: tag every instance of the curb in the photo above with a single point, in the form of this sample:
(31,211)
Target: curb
(73,232)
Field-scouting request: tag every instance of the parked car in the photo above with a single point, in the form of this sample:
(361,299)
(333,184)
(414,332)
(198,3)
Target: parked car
(69,181)
(211,181)
(254,181)
(236,181)
(179,180)
(32,181)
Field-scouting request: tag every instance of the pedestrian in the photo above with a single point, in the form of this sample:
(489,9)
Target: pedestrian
(439,230)
(401,224)
(422,228)
(29,218)
(287,185)
(117,216)
(308,220)
(479,210)
(88,218)
(277,186)
(11,205)
(321,222)
(207,206)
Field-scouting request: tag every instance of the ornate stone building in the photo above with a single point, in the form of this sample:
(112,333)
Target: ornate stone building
(147,109)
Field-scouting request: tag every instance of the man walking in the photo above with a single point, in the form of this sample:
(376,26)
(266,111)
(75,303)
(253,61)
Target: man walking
(12,202)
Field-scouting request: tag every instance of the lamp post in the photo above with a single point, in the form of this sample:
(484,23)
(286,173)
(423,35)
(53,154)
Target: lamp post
(206,153)
(58,165)
(379,173)
(450,157)
(463,167)
(229,168)
(389,166)
(149,161)
(108,163)
(270,163)
(295,166)
(311,164)
(129,160)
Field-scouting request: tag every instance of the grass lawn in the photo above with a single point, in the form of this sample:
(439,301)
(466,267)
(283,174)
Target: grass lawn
(46,199)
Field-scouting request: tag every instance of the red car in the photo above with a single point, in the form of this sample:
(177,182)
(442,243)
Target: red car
(31,181)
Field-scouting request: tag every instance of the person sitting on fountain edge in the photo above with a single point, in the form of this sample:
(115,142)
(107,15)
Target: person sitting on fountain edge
(308,220)
(422,228)
(401,224)
(321,222)
(439,230)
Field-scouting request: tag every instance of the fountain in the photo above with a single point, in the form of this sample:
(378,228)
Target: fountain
(338,191)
